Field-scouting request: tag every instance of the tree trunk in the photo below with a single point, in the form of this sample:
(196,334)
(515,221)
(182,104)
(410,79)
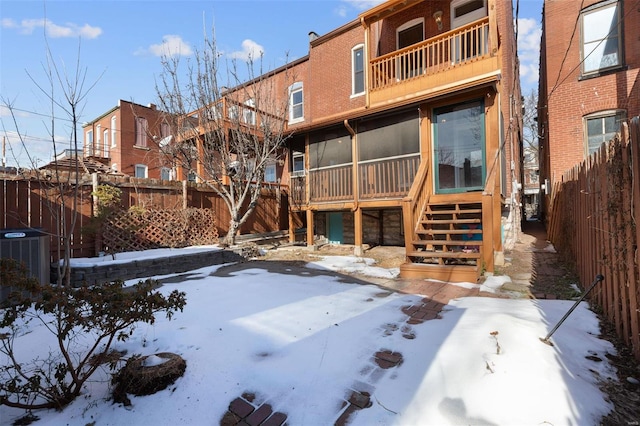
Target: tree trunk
(234,227)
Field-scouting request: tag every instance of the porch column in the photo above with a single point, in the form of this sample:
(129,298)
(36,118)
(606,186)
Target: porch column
(292,231)
(357,230)
(310,228)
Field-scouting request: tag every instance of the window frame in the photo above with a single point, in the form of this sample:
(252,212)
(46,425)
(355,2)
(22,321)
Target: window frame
(619,114)
(142,126)
(591,10)
(474,15)
(89,147)
(356,74)
(436,143)
(297,87)
(113,131)
(105,142)
(141,167)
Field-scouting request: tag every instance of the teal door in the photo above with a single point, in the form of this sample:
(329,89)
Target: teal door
(334,223)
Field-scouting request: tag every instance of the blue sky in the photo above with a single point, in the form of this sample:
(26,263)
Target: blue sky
(118,44)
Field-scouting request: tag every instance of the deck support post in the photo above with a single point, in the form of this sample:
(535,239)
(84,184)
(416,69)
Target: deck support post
(310,227)
(357,229)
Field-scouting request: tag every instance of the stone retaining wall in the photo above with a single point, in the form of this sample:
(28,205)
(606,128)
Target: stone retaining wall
(143,268)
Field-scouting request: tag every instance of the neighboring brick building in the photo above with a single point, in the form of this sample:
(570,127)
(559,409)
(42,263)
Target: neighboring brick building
(126,138)
(589,79)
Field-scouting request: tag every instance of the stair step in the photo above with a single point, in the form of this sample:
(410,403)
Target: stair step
(448,231)
(466,211)
(444,254)
(449,221)
(448,273)
(447,243)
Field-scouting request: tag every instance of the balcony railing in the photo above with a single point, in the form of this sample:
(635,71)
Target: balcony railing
(432,56)
(388,178)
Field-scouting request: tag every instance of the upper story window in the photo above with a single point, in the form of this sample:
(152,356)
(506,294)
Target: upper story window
(98,139)
(141,171)
(141,131)
(113,131)
(298,163)
(357,65)
(601,37)
(270,172)
(88,143)
(296,100)
(466,11)
(600,128)
(249,113)
(105,141)
(165,173)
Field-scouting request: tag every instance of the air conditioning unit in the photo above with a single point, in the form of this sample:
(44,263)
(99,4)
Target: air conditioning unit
(29,246)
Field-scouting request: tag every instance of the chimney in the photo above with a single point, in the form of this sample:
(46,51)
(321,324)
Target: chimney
(312,36)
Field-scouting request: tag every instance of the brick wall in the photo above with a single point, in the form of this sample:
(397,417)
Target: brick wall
(569,97)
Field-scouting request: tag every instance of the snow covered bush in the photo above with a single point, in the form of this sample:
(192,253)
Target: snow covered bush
(84,323)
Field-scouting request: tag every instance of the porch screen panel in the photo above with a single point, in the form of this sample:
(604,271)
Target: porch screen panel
(389,136)
(329,148)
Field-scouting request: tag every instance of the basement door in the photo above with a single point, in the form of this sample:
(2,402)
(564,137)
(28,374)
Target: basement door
(335,228)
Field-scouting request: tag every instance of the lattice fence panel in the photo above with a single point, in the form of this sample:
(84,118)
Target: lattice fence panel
(149,229)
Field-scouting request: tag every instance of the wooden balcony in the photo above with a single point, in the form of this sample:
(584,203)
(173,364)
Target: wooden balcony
(454,59)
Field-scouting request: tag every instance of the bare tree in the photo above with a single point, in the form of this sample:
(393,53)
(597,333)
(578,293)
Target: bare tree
(226,131)
(66,93)
(530,127)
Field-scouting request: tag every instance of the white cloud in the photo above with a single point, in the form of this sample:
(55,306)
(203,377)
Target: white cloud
(53,30)
(250,51)
(529,32)
(172,45)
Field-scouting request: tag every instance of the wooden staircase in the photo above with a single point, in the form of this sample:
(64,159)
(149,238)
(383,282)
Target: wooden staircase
(446,243)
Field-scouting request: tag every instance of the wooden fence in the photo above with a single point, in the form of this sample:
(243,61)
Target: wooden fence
(31,203)
(593,221)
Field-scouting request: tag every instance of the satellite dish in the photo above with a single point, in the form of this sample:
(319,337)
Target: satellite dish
(165,141)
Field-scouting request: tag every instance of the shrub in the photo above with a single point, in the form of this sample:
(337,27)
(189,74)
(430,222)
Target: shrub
(98,315)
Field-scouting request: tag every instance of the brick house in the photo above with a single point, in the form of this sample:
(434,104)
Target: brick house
(406,130)
(126,138)
(589,80)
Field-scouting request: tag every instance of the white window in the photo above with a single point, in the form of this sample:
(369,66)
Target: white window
(141,171)
(249,113)
(298,164)
(114,167)
(270,172)
(141,131)
(466,11)
(233,112)
(601,128)
(601,38)
(105,135)
(357,65)
(98,139)
(88,143)
(113,131)
(165,173)
(296,103)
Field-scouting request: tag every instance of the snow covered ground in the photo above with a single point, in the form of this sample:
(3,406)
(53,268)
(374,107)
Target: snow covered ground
(303,342)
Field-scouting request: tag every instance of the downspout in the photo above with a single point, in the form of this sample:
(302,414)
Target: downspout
(354,152)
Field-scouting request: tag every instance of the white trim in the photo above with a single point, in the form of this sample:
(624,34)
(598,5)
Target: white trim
(468,17)
(353,71)
(294,88)
(406,26)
